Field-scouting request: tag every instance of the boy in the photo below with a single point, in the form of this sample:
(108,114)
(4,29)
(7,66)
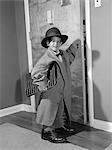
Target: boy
(52,75)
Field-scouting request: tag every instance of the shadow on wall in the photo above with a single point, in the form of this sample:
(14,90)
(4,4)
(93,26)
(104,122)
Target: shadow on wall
(98,111)
(20,96)
(18,92)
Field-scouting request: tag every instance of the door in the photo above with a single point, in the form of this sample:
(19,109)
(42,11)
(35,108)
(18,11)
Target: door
(66,15)
(13,54)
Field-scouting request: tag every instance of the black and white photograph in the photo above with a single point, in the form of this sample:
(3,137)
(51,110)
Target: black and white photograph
(55,75)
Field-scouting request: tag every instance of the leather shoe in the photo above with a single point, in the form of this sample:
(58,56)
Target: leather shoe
(51,136)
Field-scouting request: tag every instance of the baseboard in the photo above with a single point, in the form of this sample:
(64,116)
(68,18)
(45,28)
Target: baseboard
(102,125)
(27,108)
(14,109)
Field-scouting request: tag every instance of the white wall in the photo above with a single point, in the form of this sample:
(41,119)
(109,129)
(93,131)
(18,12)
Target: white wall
(101,35)
(13,54)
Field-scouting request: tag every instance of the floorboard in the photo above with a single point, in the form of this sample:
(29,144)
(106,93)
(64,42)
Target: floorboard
(83,136)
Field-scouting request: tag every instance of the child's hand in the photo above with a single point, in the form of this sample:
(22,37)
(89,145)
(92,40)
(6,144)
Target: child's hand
(42,85)
(42,88)
(77,44)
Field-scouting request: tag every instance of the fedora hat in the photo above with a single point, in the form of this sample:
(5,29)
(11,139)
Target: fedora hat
(51,33)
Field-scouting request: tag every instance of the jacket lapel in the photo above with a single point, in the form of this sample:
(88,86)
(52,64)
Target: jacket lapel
(60,63)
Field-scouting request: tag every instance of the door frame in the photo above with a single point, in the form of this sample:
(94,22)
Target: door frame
(99,124)
(30,60)
(29,47)
(89,61)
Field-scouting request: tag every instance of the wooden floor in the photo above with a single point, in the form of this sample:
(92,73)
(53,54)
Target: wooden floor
(84,136)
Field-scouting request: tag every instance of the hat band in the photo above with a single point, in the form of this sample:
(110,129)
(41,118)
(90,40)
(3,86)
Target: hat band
(52,34)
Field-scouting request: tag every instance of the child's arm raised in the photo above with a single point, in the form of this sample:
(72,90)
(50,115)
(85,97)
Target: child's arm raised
(72,49)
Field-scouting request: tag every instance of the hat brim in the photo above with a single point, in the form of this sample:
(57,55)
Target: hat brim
(63,40)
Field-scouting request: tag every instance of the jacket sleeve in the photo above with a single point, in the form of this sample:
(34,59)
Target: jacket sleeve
(72,49)
(39,73)
(44,75)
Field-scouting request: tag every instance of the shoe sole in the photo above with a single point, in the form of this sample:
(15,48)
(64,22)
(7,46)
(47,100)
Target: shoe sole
(53,141)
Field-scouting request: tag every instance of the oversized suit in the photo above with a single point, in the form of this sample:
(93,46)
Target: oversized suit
(55,75)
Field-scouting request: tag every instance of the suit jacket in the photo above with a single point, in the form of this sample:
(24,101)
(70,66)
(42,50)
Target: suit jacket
(55,76)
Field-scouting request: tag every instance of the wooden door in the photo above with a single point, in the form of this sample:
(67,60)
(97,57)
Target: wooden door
(66,15)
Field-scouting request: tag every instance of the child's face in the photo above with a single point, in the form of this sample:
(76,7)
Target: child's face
(54,44)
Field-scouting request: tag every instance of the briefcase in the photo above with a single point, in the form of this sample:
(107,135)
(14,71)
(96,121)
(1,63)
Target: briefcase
(30,88)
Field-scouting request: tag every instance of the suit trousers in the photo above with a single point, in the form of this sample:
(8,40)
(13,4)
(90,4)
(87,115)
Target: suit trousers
(61,117)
